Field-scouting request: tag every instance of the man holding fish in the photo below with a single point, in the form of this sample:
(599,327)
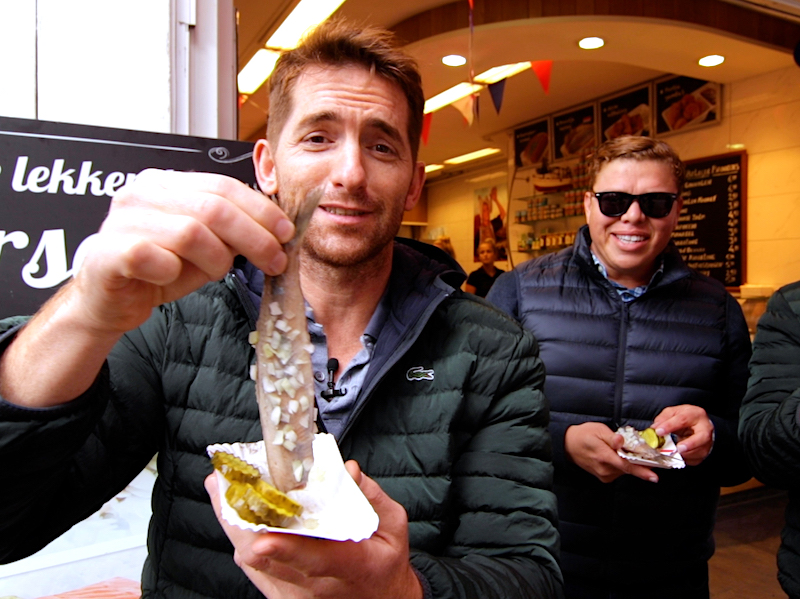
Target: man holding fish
(146,351)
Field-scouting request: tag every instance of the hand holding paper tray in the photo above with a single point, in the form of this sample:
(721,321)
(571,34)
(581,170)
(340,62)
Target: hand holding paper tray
(333,506)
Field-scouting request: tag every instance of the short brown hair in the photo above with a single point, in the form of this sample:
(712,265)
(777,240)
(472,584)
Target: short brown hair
(635,147)
(338,43)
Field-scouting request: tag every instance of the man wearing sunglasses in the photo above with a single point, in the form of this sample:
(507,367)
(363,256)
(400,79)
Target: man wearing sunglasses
(629,335)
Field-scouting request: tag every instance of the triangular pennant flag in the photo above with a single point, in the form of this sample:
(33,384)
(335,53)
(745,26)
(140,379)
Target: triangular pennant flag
(542,68)
(426,127)
(466,106)
(496,91)
(471,4)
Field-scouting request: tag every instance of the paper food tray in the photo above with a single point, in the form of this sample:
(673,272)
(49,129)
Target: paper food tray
(333,506)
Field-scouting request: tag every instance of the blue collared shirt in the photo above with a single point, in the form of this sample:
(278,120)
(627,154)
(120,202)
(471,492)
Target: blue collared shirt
(336,412)
(628,295)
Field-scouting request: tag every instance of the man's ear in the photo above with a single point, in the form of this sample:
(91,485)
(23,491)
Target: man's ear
(415,189)
(265,167)
(587,202)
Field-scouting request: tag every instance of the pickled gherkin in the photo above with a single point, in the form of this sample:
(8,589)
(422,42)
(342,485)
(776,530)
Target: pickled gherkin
(652,438)
(255,500)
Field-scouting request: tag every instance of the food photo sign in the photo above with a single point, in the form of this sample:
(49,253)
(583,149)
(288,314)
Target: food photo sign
(574,132)
(628,113)
(532,143)
(684,103)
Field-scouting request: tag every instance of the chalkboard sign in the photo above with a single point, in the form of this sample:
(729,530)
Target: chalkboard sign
(56,182)
(711,232)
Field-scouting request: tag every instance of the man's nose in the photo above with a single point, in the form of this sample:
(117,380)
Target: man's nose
(349,170)
(634,213)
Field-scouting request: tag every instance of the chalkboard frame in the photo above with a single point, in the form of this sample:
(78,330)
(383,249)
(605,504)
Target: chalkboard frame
(741,156)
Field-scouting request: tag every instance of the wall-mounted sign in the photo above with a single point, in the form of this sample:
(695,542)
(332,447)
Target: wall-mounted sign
(685,103)
(626,114)
(574,132)
(711,233)
(532,144)
(56,182)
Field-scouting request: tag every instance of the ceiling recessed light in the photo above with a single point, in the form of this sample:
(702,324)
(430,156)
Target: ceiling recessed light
(472,156)
(591,43)
(711,60)
(454,60)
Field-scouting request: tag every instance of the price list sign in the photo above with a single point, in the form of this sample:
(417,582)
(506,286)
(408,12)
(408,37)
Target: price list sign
(711,233)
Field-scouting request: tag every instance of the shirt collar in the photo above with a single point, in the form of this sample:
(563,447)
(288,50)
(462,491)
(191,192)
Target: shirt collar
(626,294)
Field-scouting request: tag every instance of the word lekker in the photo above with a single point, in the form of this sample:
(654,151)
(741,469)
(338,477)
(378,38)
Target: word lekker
(55,179)
(51,252)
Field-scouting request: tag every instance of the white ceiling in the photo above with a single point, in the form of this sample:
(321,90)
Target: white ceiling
(636,50)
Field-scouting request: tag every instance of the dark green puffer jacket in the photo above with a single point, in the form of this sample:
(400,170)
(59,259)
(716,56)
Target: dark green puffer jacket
(769,425)
(465,450)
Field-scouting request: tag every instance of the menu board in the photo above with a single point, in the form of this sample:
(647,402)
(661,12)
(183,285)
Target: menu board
(532,143)
(626,114)
(711,232)
(574,132)
(686,103)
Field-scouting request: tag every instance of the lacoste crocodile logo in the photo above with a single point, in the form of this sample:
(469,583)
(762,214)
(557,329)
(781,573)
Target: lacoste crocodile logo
(418,373)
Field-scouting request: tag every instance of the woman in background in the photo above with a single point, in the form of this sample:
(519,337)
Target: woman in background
(480,281)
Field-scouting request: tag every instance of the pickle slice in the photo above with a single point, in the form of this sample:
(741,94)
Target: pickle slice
(261,504)
(653,439)
(254,499)
(235,469)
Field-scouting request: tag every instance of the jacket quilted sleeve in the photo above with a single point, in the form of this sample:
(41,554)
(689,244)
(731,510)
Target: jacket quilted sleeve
(769,427)
(52,457)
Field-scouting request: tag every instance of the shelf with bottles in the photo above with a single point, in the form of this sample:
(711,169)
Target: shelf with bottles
(550,206)
(544,243)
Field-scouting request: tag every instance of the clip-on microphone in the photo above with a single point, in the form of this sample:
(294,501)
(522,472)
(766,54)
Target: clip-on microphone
(331,392)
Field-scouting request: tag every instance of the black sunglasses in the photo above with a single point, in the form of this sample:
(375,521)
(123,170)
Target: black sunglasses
(655,205)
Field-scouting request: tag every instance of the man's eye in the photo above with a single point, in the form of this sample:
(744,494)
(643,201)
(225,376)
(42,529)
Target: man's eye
(383,148)
(317,139)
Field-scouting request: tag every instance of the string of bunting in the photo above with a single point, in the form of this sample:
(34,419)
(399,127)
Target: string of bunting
(469,106)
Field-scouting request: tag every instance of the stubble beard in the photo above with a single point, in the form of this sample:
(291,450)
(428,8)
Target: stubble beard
(350,247)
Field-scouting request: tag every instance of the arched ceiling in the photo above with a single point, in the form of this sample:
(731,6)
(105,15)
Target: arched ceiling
(643,40)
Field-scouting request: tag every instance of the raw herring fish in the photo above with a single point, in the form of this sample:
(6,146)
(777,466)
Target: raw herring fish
(284,376)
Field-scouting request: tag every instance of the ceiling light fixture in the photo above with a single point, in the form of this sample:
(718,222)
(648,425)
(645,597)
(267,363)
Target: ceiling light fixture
(454,60)
(462,90)
(448,96)
(306,15)
(505,71)
(252,76)
(431,168)
(591,43)
(711,60)
(472,156)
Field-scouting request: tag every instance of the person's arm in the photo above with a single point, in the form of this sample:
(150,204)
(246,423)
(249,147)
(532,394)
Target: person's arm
(166,235)
(64,462)
(707,435)
(770,427)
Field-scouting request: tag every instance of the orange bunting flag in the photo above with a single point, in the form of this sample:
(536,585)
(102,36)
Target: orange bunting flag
(542,69)
(466,106)
(426,127)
